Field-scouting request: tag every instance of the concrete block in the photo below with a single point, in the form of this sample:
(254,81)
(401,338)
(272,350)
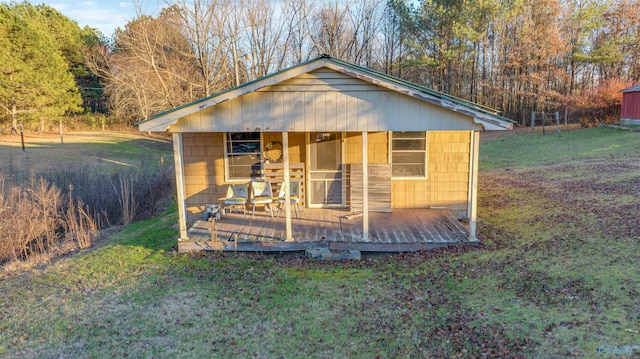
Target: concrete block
(326,254)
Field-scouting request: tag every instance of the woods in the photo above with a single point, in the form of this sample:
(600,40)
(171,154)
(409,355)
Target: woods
(515,56)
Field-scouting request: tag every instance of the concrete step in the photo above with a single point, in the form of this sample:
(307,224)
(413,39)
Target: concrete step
(326,254)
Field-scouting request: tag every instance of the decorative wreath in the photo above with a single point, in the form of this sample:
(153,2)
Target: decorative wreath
(273,151)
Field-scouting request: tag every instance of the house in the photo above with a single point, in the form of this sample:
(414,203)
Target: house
(630,112)
(334,128)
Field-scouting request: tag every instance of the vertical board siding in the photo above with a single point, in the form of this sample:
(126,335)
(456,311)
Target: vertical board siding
(341,109)
(630,106)
(323,101)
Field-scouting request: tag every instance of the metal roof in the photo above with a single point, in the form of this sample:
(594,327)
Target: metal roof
(635,88)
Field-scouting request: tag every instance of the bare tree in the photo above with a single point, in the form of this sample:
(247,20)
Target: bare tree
(145,70)
(203,24)
(297,14)
(265,40)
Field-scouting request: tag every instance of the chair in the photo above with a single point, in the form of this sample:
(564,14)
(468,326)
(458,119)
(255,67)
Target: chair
(237,195)
(294,197)
(261,193)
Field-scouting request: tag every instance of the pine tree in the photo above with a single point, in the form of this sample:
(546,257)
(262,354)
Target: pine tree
(35,79)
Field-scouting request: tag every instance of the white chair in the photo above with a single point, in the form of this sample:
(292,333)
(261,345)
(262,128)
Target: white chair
(294,197)
(261,193)
(237,195)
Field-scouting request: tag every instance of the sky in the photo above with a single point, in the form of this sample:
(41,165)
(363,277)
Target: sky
(105,15)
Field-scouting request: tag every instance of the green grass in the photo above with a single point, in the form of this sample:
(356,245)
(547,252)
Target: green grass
(556,276)
(534,149)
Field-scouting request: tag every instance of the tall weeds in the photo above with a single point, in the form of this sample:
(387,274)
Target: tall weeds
(65,209)
(126,198)
(79,226)
(34,220)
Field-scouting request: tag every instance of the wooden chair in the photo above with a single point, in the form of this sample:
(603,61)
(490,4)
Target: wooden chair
(237,195)
(294,197)
(261,193)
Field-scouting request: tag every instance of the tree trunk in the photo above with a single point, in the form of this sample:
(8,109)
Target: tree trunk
(14,119)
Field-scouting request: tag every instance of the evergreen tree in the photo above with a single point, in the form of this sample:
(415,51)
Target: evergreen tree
(35,79)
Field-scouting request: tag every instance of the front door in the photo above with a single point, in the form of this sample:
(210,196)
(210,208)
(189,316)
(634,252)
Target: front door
(325,169)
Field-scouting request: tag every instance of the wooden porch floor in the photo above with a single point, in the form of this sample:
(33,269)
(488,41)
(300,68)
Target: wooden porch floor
(402,230)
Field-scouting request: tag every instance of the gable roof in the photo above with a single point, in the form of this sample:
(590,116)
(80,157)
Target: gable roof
(481,115)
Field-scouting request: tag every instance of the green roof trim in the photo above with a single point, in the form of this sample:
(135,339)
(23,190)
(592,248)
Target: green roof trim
(373,73)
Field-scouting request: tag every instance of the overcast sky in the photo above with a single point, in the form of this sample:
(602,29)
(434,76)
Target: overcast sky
(105,15)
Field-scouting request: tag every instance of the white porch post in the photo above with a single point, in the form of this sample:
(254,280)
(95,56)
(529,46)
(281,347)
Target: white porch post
(287,185)
(178,159)
(474,154)
(365,187)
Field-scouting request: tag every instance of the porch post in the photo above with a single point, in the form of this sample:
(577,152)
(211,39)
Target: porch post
(365,187)
(178,159)
(287,185)
(473,184)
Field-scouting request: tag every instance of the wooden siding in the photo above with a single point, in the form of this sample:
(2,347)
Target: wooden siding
(204,180)
(323,100)
(447,182)
(203,171)
(379,187)
(630,106)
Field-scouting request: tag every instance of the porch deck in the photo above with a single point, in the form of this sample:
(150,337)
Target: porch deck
(402,230)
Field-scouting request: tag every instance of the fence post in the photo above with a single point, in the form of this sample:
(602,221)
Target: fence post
(61,136)
(533,119)
(22,136)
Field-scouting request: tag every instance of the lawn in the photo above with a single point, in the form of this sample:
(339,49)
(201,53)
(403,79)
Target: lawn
(88,151)
(555,276)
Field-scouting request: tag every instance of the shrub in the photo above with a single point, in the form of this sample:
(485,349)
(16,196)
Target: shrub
(69,206)
(601,104)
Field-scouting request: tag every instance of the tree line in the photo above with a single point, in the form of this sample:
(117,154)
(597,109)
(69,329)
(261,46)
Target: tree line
(516,56)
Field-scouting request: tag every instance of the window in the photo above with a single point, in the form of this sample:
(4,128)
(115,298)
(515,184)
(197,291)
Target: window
(409,154)
(243,155)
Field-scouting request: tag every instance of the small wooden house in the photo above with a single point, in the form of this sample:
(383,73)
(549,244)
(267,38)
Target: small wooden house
(335,129)
(630,112)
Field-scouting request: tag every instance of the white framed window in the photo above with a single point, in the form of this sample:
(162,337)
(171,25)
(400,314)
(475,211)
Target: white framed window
(243,156)
(408,151)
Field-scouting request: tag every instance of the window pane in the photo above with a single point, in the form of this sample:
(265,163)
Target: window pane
(240,171)
(408,154)
(244,136)
(411,145)
(409,134)
(407,157)
(244,160)
(243,155)
(245,147)
(411,170)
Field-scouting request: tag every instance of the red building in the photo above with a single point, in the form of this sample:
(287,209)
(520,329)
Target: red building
(630,112)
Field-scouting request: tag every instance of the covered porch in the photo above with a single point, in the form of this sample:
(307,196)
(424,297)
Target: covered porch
(402,230)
